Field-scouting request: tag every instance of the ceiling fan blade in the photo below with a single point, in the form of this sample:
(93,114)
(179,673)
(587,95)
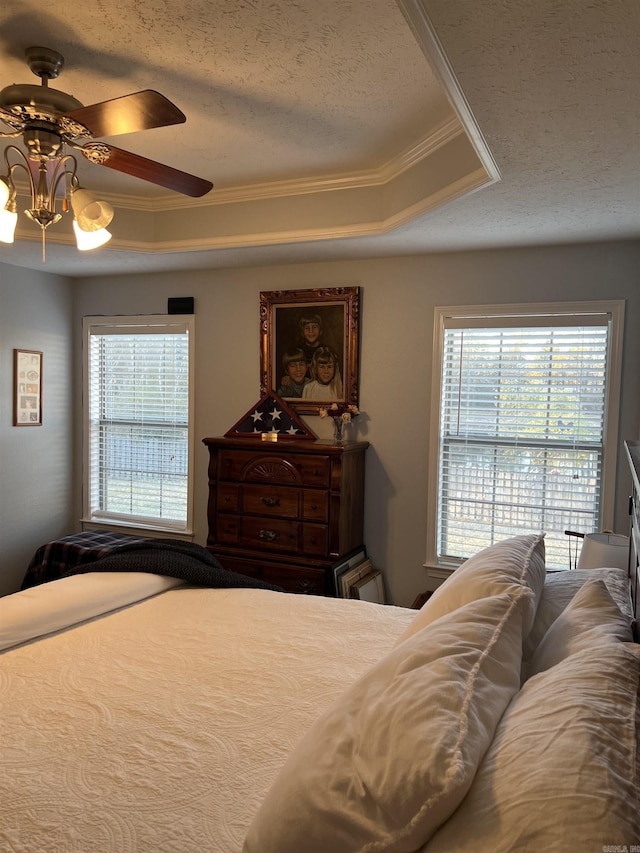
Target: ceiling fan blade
(128,114)
(147,170)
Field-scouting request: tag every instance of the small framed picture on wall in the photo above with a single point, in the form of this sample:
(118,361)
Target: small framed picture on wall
(27,387)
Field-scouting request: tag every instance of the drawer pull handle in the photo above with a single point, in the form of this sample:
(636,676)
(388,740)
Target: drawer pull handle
(270,501)
(269,535)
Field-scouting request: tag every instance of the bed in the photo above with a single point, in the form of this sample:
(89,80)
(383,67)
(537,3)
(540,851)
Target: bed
(140,713)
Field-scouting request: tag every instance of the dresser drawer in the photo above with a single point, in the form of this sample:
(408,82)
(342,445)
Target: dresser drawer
(271,501)
(300,579)
(314,540)
(254,467)
(315,505)
(228,497)
(314,470)
(274,501)
(228,529)
(275,534)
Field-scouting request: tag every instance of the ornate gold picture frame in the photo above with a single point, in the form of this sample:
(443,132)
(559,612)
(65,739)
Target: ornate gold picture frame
(309,343)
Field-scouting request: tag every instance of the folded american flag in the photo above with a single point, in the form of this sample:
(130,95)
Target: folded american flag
(271,414)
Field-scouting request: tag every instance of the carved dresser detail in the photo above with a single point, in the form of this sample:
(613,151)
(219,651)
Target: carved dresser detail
(285,511)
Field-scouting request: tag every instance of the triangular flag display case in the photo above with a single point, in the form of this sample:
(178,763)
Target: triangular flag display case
(270,416)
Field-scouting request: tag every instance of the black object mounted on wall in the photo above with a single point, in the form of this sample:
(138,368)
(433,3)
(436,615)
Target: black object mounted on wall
(180,305)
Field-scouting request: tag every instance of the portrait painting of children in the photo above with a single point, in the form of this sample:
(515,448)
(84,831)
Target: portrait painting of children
(309,345)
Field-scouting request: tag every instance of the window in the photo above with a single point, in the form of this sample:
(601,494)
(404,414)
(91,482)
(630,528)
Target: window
(138,407)
(525,404)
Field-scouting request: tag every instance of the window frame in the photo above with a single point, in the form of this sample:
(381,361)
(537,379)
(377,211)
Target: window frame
(520,314)
(159,323)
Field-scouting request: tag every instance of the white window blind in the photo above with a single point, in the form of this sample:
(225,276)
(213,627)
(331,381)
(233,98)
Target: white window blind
(522,426)
(138,434)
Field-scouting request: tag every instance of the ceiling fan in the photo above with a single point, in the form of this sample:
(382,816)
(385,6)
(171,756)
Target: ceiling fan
(49,120)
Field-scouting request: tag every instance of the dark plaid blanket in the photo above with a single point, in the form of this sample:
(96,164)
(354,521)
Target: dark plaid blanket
(55,557)
(92,551)
(176,559)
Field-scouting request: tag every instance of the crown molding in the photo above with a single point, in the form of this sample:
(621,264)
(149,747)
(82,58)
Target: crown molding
(451,161)
(439,137)
(425,34)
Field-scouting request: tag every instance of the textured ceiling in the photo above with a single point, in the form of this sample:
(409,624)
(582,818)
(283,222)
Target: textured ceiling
(350,128)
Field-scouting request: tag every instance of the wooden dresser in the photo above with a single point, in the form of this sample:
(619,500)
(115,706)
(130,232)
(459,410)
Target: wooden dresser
(285,511)
(633,456)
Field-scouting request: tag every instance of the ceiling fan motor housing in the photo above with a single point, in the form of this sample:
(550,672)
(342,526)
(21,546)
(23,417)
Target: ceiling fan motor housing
(44,62)
(40,111)
(43,141)
(31,101)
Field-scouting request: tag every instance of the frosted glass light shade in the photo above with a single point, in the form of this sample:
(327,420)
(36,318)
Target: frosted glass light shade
(604,550)
(91,214)
(87,240)
(5,192)
(8,221)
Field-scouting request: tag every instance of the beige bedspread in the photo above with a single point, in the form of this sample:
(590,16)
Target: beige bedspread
(158,728)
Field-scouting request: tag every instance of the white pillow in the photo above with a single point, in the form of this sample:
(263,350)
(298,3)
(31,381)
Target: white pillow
(590,615)
(393,757)
(560,587)
(561,771)
(519,561)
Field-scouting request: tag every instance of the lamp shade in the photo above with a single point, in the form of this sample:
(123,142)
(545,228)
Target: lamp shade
(5,192)
(604,550)
(87,240)
(8,221)
(91,214)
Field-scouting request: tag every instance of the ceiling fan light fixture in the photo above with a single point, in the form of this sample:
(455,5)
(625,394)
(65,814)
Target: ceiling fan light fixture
(5,193)
(49,121)
(43,216)
(8,222)
(88,240)
(91,214)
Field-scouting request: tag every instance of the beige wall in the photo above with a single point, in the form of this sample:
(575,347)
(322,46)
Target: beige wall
(398,297)
(36,463)
(40,466)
